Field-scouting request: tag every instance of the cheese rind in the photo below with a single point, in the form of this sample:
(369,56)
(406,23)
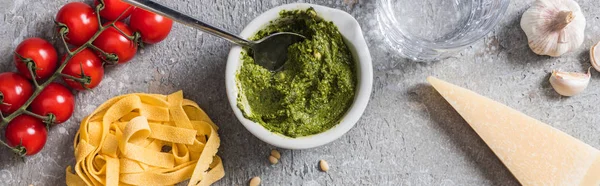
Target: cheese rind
(535,153)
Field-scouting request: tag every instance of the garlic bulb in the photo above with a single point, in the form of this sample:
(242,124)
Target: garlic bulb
(569,83)
(553,27)
(595,59)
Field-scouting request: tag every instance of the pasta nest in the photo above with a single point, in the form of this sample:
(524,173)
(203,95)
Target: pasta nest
(146,139)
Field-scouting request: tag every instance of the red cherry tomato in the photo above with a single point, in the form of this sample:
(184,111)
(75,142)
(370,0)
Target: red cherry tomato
(81,20)
(15,90)
(92,68)
(28,132)
(55,99)
(41,52)
(112,41)
(153,28)
(114,8)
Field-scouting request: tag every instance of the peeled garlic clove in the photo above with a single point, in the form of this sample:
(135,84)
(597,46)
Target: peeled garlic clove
(553,27)
(569,83)
(595,59)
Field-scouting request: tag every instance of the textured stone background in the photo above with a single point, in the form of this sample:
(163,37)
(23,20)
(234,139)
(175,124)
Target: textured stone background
(408,136)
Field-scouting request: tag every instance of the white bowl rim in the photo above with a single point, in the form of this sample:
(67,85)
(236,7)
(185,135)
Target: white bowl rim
(354,38)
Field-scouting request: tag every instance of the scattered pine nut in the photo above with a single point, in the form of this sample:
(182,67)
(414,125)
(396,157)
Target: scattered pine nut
(273,160)
(255,181)
(323,165)
(275,154)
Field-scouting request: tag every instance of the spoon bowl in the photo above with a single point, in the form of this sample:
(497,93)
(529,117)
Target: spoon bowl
(271,51)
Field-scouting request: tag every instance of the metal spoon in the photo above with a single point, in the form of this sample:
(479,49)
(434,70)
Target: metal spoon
(269,52)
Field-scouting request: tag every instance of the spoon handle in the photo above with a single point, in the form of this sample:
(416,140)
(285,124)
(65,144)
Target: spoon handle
(187,20)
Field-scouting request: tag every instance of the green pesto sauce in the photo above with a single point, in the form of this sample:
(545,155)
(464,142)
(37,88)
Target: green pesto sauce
(316,86)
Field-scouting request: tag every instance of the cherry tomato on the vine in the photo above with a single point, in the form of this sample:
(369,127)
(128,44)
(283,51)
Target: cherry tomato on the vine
(152,27)
(113,42)
(14,91)
(28,132)
(81,20)
(41,52)
(91,65)
(55,99)
(114,8)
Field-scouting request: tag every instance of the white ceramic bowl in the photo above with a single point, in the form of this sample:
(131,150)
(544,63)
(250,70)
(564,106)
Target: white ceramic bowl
(353,36)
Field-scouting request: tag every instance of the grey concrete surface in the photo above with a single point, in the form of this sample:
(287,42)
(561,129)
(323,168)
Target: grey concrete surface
(408,135)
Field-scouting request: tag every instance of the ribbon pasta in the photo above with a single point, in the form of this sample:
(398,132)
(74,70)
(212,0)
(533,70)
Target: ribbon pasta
(146,139)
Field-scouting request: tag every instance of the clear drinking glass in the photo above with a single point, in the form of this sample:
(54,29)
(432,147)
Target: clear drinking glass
(430,30)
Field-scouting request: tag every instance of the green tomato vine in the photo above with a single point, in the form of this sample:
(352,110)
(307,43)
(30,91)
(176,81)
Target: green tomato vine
(109,58)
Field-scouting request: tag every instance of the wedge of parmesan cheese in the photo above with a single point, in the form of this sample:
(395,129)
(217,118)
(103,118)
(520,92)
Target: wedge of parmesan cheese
(535,153)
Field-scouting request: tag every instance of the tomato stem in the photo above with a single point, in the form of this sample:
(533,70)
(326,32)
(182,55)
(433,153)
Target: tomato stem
(23,59)
(84,80)
(99,7)
(121,15)
(109,58)
(95,48)
(64,30)
(137,38)
(19,149)
(122,32)
(31,68)
(43,118)
(112,24)
(2,142)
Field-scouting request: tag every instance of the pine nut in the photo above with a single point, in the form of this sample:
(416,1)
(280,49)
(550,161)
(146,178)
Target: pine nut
(275,154)
(255,181)
(323,165)
(273,160)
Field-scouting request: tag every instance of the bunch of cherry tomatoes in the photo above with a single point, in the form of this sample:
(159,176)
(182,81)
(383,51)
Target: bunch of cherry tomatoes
(93,36)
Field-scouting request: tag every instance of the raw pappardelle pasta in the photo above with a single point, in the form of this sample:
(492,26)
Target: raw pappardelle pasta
(146,139)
